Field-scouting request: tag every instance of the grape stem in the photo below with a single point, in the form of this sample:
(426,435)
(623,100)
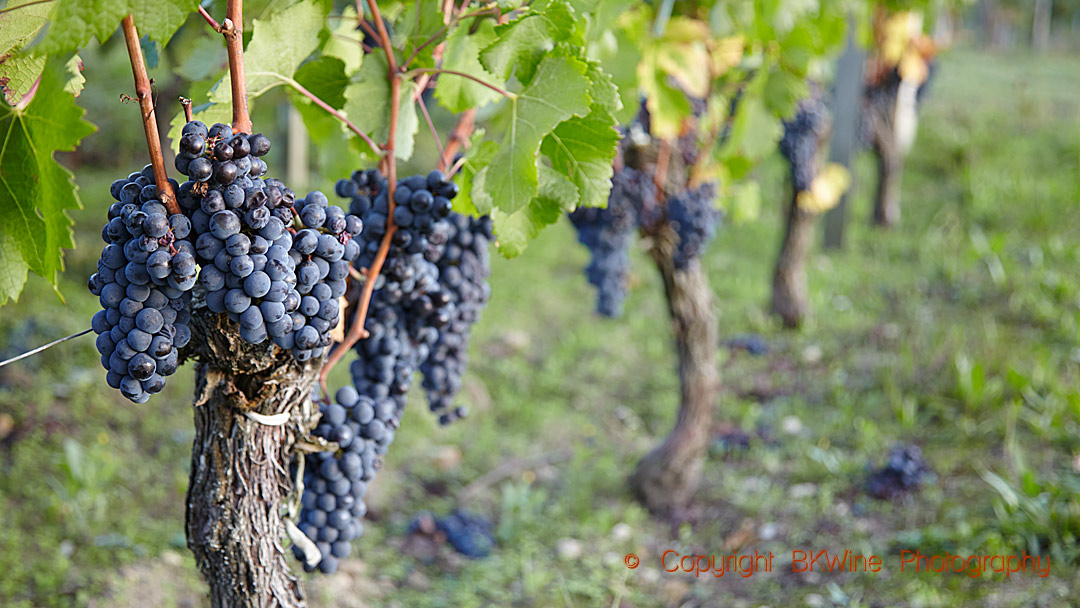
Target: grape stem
(186,103)
(233,31)
(356,330)
(335,113)
(144,93)
(459,137)
(431,126)
(213,24)
(44,347)
(409,74)
(489,9)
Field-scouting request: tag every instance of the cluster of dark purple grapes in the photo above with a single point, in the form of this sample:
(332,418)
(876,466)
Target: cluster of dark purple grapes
(335,483)
(633,203)
(607,233)
(904,472)
(802,135)
(274,283)
(464,267)
(468,533)
(695,219)
(143,281)
(420,202)
(411,306)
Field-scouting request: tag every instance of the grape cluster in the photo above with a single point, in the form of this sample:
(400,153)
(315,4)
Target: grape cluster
(274,281)
(802,135)
(904,472)
(695,220)
(607,232)
(635,203)
(468,533)
(143,281)
(464,267)
(420,202)
(335,482)
(407,309)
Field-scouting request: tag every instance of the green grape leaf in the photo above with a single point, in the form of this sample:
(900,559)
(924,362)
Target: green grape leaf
(603,91)
(755,131)
(75,79)
(418,23)
(200,57)
(513,231)
(35,190)
(278,45)
(367,104)
(20,70)
(13,268)
(477,157)
(667,106)
(325,78)
(620,57)
(18,74)
(322,127)
(344,42)
(783,90)
(582,150)
(558,91)
(525,41)
(19,27)
(73,22)
(462,54)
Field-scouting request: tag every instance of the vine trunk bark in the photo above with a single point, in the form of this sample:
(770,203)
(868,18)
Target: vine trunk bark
(790,294)
(667,477)
(881,114)
(240,467)
(890,171)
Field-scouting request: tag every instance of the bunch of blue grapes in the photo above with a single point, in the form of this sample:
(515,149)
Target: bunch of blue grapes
(143,281)
(464,266)
(607,233)
(694,219)
(420,202)
(802,135)
(905,471)
(335,482)
(408,308)
(276,284)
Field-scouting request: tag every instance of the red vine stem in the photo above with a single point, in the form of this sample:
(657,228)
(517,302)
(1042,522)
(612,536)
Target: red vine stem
(149,120)
(356,330)
(186,103)
(459,137)
(434,134)
(213,24)
(488,10)
(233,31)
(487,84)
(336,114)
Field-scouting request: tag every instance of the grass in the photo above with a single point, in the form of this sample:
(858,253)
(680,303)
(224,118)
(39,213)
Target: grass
(957,331)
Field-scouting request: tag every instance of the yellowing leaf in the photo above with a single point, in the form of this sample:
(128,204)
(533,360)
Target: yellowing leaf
(826,190)
(725,54)
(688,64)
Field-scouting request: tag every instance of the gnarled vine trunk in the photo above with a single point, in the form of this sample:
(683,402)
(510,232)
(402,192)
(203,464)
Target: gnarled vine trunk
(668,476)
(887,200)
(240,467)
(881,113)
(790,294)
